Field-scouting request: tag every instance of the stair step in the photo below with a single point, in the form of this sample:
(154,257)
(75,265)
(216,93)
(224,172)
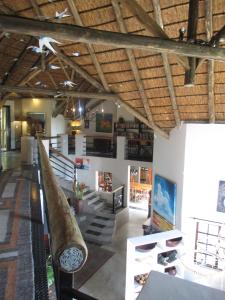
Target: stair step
(88,194)
(104,221)
(97,204)
(93,199)
(106,216)
(101,230)
(97,239)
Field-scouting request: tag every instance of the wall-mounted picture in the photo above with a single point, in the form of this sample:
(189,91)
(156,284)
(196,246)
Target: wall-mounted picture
(82,163)
(221,197)
(104,123)
(164,204)
(35,123)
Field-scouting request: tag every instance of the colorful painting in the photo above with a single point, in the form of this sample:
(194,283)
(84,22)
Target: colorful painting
(221,197)
(82,163)
(164,204)
(104,123)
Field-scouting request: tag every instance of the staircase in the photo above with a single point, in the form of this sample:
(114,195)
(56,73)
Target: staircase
(100,223)
(96,222)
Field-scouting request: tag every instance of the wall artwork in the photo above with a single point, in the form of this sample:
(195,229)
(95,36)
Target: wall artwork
(221,197)
(82,163)
(104,123)
(164,204)
(35,123)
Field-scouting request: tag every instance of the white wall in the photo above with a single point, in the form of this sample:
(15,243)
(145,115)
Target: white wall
(40,106)
(168,161)
(194,158)
(58,125)
(204,168)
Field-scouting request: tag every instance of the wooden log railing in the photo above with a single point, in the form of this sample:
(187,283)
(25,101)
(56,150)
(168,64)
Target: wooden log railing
(68,248)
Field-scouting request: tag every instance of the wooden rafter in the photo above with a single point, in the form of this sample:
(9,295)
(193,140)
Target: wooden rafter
(77,68)
(61,92)
(166,64)
(29,76)
(63,68)
(152,26)
(51,79)
(209,31)
(90,48)
(133,64)
(191,36)
(78,34)
(15,65)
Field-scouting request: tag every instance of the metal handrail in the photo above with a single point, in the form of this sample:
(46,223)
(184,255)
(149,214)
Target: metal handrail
(64,164)
(63,156)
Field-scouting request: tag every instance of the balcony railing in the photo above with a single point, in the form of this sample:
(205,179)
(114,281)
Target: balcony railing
(100,146)
(139,150)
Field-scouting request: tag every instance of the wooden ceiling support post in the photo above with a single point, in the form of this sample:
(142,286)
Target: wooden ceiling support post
(209,32)
(153,26)
(191,36)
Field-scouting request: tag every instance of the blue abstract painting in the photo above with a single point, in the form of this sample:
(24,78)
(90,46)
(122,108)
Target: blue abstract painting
(164,203)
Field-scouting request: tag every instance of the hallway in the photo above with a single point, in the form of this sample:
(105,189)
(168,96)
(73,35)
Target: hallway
(16,184)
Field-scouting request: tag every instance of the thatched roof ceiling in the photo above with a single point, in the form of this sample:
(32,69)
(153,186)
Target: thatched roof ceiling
(151,83)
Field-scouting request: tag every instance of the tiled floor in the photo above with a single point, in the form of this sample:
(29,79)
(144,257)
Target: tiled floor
(109,282)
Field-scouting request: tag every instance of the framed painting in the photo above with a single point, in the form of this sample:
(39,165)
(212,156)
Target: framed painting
(221,197)
(35,123)
(104,123)
(164,204)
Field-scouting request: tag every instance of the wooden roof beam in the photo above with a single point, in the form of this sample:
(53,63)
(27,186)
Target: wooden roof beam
(214,42)
(191,36)
(78,34)
(166,64)
(61,92)
(133,64)
(209,32)
(152,26)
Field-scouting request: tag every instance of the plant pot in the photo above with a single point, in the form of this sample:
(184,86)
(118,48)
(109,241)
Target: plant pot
(78,206)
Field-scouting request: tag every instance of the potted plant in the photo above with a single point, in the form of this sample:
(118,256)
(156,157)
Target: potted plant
(78,189)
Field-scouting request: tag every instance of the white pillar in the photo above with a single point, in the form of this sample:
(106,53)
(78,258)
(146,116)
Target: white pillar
(27,144)
(80,144)
(121,147)
(63,143)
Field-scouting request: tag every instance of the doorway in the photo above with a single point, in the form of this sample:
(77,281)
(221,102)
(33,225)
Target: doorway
(5,143)
(140,188)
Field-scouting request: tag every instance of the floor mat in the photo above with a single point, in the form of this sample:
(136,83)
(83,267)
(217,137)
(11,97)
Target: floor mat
(97,257)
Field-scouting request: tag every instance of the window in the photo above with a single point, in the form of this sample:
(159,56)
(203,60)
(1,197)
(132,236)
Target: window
(210,244)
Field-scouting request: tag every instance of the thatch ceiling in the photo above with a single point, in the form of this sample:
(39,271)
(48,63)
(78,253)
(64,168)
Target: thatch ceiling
(149,82)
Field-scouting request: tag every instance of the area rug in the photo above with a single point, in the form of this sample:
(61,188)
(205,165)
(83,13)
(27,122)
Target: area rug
(97,257)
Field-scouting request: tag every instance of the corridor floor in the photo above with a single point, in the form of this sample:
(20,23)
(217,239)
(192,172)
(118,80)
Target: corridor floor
(16,262)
